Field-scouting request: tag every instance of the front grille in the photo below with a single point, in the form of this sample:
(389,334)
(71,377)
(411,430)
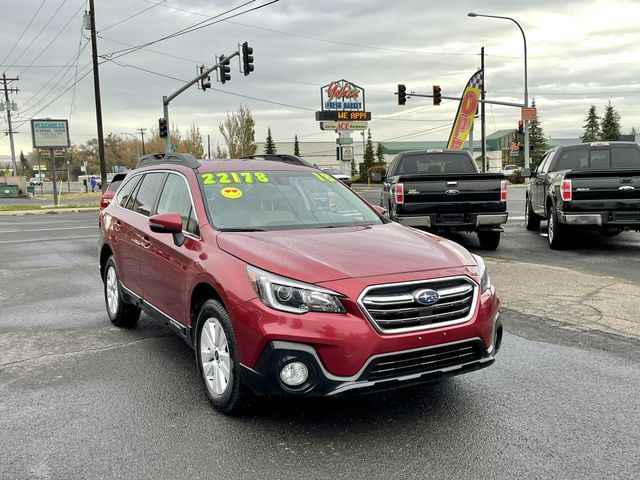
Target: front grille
(424,361)
(394,308)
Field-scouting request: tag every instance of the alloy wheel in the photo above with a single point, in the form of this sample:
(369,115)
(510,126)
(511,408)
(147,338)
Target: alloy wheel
(214,356)
(111,290)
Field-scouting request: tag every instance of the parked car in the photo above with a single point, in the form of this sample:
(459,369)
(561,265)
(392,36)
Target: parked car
(35,181)
(281,294)
(442,191)
(593,186)
(114,182)
(509,170)
(337,174)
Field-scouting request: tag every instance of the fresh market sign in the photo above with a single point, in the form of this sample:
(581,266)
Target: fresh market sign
(342,95)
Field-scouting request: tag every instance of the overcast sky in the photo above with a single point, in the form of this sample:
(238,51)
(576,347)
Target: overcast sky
(579,53)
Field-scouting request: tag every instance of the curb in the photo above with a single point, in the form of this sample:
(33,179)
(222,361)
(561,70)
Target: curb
(19,213)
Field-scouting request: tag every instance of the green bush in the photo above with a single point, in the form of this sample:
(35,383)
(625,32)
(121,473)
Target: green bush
(376,169)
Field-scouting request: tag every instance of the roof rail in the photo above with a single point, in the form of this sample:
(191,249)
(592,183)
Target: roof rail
(185,159)
(281,157)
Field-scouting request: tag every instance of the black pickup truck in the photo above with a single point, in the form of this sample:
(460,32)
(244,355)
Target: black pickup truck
(585,186)
(442,191)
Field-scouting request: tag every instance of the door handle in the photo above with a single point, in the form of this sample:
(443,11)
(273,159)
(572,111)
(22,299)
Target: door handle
(146,243)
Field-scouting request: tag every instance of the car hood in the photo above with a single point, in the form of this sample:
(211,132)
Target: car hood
(321,255)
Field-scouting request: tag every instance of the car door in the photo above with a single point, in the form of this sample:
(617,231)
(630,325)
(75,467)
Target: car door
(121,236)
(538,183)
(165,265)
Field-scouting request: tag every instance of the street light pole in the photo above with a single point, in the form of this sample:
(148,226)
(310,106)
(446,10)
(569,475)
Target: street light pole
(526,88)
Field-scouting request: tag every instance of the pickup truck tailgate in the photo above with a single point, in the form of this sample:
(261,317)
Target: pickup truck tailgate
(605,190)
(452,193)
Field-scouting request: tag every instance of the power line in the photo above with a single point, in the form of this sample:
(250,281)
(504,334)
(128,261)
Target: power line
(23,32)
(192,28)
(73,16)
(41,31)
(132,16)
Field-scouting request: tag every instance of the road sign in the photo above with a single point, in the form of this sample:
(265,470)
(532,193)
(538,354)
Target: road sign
(347,153)
(346,126)
(529,113)
(344,141)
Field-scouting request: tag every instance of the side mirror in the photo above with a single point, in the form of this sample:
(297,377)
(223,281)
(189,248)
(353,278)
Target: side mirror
(168,223)
(381,210)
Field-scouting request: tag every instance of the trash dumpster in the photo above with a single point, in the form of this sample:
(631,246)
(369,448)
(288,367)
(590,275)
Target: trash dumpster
(31,189)
(9,191)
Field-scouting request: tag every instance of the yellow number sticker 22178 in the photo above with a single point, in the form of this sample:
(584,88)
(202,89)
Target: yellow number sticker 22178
(234,177)
(324,177)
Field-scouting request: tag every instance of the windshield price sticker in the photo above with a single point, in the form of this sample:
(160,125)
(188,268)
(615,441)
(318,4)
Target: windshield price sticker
(234,177)
(324,177)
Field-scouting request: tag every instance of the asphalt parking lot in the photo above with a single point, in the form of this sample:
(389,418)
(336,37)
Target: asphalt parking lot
(83,399)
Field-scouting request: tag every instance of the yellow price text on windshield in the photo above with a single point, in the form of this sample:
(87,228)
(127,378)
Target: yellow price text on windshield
(234,177)
(324,177)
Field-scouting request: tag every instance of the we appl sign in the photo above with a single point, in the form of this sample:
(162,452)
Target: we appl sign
(342,95)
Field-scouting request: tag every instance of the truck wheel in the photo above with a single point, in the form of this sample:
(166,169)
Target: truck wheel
(557,232)
(531,220)
(489,240)
(217,359)
(120,313)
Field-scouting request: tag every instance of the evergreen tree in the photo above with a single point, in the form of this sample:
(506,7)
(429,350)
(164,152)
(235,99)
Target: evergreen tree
(610,125)
(269,145)
(633,131)
(369,158)
(592,127)
(354,169)
(296,146)
(537,142)
(379,155)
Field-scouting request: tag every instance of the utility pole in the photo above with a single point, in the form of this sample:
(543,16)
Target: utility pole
(96,90)
(5,81)
(142,130)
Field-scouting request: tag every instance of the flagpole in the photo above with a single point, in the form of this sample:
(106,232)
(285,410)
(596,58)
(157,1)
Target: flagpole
(483,133)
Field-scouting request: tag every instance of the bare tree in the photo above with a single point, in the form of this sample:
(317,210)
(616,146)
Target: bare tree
(238,131)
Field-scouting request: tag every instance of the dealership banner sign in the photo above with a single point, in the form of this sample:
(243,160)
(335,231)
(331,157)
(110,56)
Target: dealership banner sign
(466,111)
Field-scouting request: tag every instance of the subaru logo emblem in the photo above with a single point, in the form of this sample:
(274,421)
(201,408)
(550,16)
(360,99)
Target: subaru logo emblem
(426,297)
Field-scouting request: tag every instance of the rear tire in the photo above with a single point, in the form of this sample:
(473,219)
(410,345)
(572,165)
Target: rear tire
(557,232)
(121,313)
(217,359)
(531,219)
(489,240)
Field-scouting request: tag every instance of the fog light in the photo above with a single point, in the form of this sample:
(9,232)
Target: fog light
(294,374)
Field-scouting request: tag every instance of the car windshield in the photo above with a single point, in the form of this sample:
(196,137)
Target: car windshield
(279,200)
(332,171)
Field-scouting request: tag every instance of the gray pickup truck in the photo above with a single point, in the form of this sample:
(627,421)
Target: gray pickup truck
(442,191)
(593,186)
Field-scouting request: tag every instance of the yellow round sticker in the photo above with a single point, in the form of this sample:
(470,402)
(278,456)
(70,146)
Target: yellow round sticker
(231,192)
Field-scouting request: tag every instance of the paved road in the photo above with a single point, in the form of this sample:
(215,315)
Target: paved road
(82,399)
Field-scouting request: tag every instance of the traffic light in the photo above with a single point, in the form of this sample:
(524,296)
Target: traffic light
(162,128)
(437,95)
(402,94)
(247,59)
(520,127)
(225,69)
(204,83)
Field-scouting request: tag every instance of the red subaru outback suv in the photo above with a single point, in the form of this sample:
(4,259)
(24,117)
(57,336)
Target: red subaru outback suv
(285,281)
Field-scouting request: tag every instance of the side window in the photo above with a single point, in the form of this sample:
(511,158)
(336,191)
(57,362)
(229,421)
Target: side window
(126,190)
(625,157)
(548,160)
(175,198)
(147,193)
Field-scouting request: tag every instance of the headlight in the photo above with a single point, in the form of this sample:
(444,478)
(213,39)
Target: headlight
(292,296)
(485,282)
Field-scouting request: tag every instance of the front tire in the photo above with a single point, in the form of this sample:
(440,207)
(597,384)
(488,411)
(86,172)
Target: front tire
(557,232)
(489,240)
(531,219)
(121,313)
(217,359)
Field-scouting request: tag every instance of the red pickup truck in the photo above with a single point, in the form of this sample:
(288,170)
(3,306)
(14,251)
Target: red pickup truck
(286,282)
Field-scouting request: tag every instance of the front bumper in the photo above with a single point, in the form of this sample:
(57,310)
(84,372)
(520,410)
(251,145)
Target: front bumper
(381,372)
